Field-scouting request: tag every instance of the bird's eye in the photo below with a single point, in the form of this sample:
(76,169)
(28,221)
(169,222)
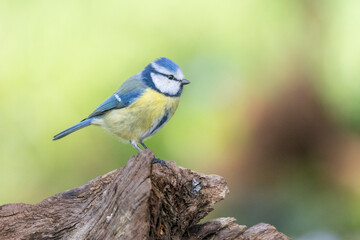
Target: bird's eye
(171,77)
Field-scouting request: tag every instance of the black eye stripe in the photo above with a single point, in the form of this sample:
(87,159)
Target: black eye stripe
(165,75)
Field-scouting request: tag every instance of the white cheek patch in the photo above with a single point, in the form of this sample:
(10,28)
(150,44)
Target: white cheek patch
(165,85)
(178,75)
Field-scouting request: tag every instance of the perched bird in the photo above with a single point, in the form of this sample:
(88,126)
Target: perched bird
(141,106)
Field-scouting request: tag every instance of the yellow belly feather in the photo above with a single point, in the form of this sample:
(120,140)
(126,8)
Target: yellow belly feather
(130,123)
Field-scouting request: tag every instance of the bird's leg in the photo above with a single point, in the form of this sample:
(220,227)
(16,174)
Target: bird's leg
(156,160)
(143,145)
(134,144)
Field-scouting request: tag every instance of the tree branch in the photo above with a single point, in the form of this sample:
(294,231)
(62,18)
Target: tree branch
(138,201)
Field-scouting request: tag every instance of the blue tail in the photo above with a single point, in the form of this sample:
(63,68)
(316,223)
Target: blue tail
(74,128)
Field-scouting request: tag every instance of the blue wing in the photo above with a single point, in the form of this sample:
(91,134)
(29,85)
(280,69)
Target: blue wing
(128,92)
(114,101)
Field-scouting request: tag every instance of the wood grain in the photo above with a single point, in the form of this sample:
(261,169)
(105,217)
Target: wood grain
(138,201)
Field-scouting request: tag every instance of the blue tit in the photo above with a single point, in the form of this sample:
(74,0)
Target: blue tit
(142,105)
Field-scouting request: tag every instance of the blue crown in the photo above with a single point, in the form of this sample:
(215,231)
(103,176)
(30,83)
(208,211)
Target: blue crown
(167,63)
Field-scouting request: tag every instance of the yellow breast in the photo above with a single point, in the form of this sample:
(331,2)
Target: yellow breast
(130,123)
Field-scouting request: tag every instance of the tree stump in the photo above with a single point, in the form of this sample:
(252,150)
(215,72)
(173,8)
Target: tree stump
(138,201)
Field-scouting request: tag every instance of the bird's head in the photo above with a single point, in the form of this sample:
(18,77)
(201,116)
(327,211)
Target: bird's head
(165,76)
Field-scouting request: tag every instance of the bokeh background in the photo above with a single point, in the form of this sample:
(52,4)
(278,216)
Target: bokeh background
(274,103)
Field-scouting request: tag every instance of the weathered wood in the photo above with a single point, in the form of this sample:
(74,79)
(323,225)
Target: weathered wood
(264,231)
(139,201)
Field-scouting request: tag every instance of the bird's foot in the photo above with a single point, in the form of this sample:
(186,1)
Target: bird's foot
(162,162)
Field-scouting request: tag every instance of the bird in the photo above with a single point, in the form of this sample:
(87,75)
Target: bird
(141,106)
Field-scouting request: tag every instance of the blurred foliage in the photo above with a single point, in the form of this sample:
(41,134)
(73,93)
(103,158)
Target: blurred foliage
(60,59)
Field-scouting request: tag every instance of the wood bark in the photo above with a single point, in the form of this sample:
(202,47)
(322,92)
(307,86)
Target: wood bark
(138,201)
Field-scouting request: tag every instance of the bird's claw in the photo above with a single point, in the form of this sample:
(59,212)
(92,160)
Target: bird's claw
(162,162)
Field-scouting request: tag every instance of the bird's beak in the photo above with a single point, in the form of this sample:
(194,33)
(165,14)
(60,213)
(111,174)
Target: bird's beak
(184,82)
